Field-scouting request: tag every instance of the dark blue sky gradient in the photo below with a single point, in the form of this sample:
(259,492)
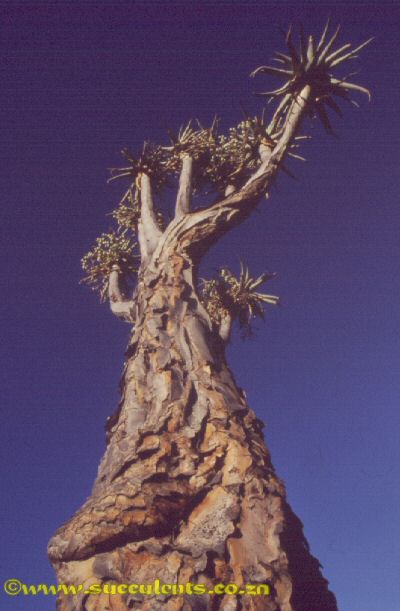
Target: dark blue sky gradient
(80,80)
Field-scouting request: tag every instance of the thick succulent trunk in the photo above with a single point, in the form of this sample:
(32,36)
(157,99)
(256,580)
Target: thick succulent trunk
(186,491)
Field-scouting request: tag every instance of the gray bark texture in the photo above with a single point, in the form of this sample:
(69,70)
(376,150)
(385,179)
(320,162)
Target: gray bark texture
(186,491)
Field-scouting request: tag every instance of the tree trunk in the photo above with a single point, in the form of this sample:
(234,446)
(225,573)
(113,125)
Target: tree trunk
(186,491)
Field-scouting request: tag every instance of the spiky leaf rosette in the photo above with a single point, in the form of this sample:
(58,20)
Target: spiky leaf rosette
(195,142)
(228,295)
(312,64)
(151,161)
(109,249)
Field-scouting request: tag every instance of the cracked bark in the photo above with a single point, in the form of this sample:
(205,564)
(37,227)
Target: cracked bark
(186,491)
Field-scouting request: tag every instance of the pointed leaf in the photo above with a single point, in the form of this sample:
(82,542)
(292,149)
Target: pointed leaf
(257,282)
(279,60)
(323,35)
(293,53)
(283,57)
(255,72)
(321,112)
(272,299)
(353,87)
(310,51)
(352,53)
(363,44)
(328,46)
(303,44)
(333,55)
(128,155)
(271,70)
(295,156)
(250,310)
(116,176)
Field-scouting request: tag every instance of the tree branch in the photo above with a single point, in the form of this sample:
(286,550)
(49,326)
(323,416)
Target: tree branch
(149,232)
(225,328)
(265,152)
(122,308)
(293,121)
(183,200)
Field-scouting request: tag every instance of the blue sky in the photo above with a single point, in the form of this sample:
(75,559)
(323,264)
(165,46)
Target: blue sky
(79,82)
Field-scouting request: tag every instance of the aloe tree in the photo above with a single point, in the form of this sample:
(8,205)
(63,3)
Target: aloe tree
(186,491)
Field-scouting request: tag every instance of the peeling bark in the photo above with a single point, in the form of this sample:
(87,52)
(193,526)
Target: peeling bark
(186,490)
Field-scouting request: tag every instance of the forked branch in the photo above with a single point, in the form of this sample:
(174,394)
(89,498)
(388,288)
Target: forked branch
(199,230)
